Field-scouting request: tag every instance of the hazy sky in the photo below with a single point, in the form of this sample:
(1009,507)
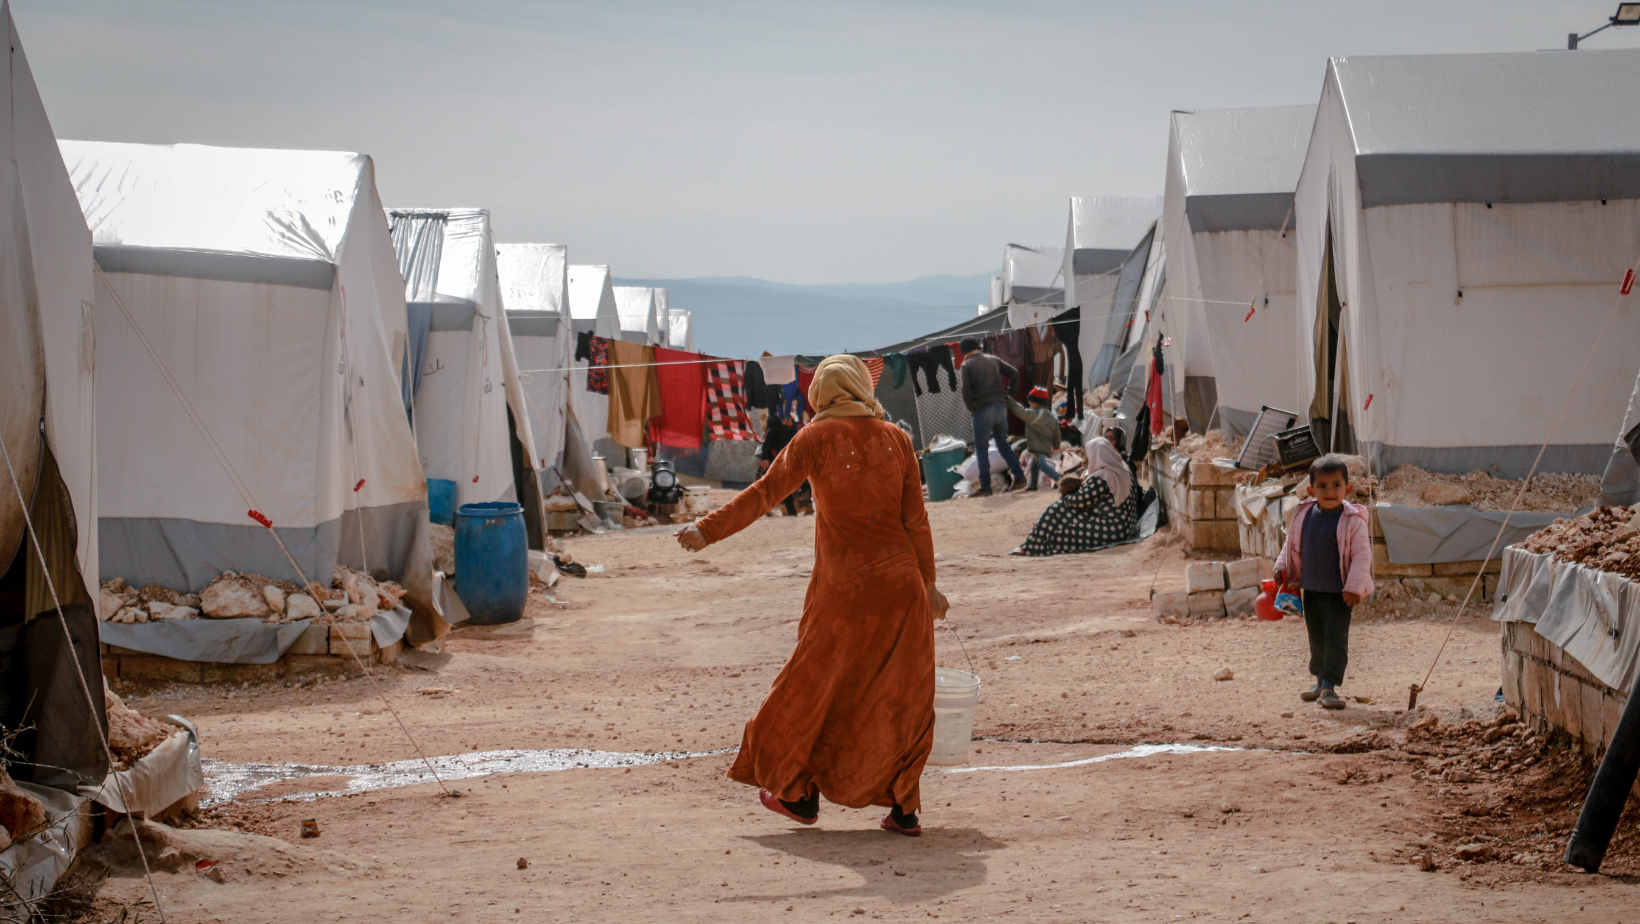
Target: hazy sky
(801,142)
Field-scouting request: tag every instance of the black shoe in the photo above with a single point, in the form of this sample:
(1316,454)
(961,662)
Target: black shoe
(1312,694)
(983,492)
(1330,700)
(1030,489)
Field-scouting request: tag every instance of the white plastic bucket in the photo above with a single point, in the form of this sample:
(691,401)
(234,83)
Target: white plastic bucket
(956,693)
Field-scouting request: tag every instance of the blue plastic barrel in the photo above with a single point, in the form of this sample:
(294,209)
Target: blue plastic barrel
(441,501)
(492,562)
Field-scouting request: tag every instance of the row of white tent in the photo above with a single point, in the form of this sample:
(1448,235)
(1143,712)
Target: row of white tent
(226,337)
(1420,263)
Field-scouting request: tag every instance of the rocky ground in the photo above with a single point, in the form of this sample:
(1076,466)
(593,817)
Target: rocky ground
(1369,814)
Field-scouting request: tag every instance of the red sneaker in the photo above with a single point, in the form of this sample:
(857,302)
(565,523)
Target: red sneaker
(889,824)
(773,805)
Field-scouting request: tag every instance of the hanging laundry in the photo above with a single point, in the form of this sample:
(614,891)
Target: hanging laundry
(1044,347)
(598,365)
(634,391)
(874,366)
(791,402)
(682,378)
(583,346)
(897,367)
(1153,394)
(725,414)
(929,362)
(945,358)
(805,376)
(1068,327)
(759,394)
(779,370)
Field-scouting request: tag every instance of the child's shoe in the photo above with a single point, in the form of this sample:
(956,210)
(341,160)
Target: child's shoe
(1330,700)
(1312,694)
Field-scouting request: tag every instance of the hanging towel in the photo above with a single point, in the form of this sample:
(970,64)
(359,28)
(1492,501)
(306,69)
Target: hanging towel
(779,370)
(634,391)
(583,346)
(874,366)
(1153,393)
(896,365)
(682,378)
(725,413)
(598,365)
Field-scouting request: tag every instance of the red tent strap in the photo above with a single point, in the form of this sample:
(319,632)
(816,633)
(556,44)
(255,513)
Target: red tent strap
(258,517)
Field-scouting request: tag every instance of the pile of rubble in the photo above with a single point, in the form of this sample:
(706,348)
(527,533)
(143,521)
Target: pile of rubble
(131,735)
(1213,588)
(352,596)
(1549,492)
(1205,447)
(1606,539)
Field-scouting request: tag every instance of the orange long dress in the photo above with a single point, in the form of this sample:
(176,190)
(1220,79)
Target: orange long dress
(852,712)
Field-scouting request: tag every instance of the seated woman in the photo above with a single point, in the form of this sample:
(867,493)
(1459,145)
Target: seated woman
(1099,513)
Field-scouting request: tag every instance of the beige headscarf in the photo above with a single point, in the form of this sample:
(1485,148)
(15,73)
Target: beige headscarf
(842,388)
(1105,462)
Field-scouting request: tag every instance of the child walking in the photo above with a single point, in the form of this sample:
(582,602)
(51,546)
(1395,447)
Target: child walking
(1041,433)
(1329,552)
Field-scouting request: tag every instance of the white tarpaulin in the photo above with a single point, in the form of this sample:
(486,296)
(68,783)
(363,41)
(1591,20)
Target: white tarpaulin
(1591,615)
(266,281)
(1033,286)
(1100,235)
(681,330)
(640,319)
(1230,303)
(1464,224)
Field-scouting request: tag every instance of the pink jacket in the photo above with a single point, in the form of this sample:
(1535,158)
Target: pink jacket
(1354,548)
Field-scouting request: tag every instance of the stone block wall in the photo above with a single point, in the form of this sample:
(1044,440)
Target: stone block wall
(1200,501)
(319,649)
(1553,691)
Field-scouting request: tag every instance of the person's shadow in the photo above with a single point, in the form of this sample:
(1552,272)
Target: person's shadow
(902,869)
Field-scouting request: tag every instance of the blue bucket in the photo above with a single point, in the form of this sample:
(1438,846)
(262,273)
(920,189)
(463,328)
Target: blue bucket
(492,562)
(441,501)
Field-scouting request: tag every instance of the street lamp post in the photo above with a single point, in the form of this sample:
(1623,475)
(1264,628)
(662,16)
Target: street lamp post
(1628,14)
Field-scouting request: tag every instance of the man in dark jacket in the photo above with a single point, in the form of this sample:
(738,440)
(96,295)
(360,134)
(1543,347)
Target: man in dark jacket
(775,439)
(986,384)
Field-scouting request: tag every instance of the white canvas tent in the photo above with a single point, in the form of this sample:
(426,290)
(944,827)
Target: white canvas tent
(640,317)
(592,310)
(1100,235)
(1230,307)
(681,330)
(535,295)
(265,280)
(466,398)
(48,431)
(1032,283)
(1464,223)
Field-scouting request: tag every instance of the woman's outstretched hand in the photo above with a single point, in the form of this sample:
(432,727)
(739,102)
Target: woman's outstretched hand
(937,602)
(690,538)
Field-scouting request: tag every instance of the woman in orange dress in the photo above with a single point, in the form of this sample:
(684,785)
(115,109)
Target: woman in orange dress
(851,716)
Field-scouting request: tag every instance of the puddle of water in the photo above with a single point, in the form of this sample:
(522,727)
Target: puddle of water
(225,781)
(1143,750)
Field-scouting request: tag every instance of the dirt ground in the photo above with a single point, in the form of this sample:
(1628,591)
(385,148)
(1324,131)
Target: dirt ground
(1307,816)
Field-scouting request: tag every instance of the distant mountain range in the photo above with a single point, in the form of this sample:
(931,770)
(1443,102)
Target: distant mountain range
(741,317)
